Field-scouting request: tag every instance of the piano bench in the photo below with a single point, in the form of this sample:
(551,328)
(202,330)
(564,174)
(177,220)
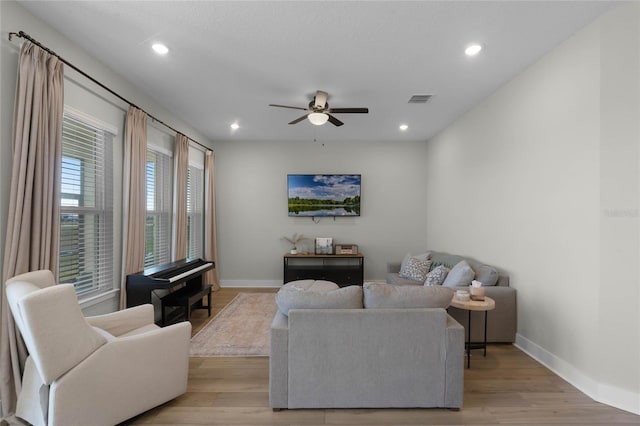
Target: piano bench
(187,298)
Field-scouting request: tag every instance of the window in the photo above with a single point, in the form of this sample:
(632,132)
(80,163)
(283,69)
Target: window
(159,198)
(86,205)
(195,208)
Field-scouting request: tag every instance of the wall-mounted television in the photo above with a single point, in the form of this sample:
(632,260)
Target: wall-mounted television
(323,195)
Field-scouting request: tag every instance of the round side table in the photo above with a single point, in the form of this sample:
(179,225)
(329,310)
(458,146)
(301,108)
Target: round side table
(485,305)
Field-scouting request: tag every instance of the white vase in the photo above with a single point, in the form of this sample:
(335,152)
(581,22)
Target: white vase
(293,251)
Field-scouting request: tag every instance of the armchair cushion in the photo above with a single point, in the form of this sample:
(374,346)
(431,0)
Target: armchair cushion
(122,322)
(58,336)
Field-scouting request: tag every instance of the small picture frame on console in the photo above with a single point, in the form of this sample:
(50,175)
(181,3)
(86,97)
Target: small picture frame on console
(324,245)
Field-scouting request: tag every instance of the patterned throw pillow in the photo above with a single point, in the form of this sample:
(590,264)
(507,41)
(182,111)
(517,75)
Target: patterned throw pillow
(436,276)
(415,269)
(423,257)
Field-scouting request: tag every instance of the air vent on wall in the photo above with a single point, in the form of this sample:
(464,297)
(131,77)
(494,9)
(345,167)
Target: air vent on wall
(419,99)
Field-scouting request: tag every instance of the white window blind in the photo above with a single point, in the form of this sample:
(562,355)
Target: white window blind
(86,206)
(195,210)
(159,196)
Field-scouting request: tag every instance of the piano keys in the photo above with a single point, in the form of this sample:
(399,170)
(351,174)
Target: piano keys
(182,275)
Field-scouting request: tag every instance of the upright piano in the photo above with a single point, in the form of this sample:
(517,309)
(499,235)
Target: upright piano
(183,278)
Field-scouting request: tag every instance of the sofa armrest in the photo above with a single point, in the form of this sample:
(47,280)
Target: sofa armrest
(279,362)
(121,322)
(393,267)
(454,391)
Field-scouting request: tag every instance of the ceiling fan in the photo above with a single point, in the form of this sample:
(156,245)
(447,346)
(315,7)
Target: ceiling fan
(319,111)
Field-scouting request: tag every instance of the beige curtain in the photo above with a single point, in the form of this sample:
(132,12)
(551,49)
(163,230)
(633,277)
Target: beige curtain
(34,210)
(210,248)
(134,197)
(180,197)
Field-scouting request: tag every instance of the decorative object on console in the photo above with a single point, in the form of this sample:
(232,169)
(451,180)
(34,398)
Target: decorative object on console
(324,245)
(323,195)
(346,249)
(294,240)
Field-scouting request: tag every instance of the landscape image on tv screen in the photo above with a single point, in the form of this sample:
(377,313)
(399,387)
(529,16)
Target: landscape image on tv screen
(324,195)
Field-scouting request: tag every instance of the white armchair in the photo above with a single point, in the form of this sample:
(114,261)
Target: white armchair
(98,370)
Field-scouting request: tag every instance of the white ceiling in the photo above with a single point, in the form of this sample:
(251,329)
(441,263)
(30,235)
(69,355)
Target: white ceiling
(229,59)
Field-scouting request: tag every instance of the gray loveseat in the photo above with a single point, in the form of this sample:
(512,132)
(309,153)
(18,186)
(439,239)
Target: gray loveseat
(501,322)
(355,347)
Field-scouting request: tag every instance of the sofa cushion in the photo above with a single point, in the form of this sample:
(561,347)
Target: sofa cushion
(487,275)
(380,296)
(436,276)
(460,275)
(341,298)
(415,269)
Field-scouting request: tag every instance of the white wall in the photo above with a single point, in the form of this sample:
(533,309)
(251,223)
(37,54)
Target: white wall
(534,179)
(251,185)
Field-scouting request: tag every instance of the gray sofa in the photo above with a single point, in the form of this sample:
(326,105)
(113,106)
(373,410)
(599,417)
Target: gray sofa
(502,322)
(357,349)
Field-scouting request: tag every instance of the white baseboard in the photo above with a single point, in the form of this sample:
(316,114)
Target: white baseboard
(251,283)
(606,394)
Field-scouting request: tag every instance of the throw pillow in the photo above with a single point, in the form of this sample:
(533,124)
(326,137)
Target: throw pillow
(342,298)
(436,276)
(460,275)
(381,296)
(423,256)
(415,269)
(317,286)
(487,275)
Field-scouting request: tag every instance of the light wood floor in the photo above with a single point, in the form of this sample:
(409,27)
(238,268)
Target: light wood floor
(506,387)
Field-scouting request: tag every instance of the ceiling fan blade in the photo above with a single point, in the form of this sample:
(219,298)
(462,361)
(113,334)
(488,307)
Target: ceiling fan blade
(334,120)
(349,110)
(287,106)
(297,120)
(321,99)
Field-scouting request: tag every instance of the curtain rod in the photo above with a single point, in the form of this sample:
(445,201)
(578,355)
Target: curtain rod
(26,36)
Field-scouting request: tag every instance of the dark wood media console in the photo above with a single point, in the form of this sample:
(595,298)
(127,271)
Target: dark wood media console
(342,269)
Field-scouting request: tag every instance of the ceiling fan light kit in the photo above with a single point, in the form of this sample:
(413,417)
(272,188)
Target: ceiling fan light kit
(318,111)
(318,118)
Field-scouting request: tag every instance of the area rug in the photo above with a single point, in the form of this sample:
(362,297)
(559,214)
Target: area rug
(240,329)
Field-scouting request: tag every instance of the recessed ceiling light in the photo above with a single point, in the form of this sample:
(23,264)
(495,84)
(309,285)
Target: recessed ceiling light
(473,49)
(234,126)
(160,48)
(403,127)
